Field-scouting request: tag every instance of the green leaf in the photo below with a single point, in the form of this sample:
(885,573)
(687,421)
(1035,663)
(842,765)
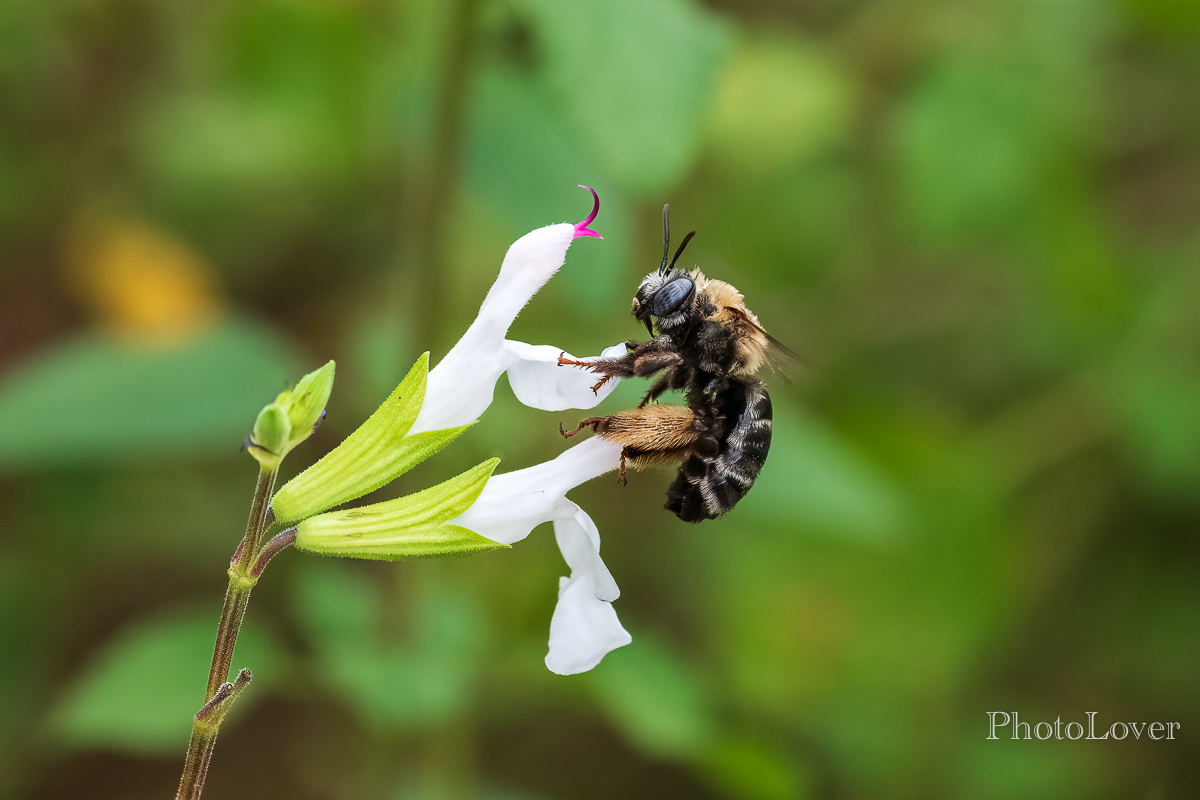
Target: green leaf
(642,116)
(407,527)
(986,138)
(140,692)
(101,400)
(338,608)
(966,152)
(374,455)
(1154,387)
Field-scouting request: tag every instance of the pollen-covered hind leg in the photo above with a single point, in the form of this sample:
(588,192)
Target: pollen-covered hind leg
(658,434)
(649,432)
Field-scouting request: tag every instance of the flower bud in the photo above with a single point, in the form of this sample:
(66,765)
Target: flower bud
(306,402)
(291,418)
(272,430)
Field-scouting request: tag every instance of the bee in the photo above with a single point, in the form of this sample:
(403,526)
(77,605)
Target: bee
(707,344)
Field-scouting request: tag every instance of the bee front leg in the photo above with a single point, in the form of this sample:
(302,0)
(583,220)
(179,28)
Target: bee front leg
(642,362)
(596,386)
(563,361)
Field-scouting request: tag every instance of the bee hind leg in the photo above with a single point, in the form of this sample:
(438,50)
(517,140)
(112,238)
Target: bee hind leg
(592,421)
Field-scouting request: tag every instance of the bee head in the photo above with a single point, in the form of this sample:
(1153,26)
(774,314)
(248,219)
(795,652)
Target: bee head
(666,294)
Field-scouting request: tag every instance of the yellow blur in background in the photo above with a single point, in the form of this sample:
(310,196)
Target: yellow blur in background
(139,282)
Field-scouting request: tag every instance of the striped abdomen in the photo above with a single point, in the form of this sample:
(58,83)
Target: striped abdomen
(722,468)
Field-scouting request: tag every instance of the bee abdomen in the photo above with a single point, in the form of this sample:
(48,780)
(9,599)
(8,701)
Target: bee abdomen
(713,479)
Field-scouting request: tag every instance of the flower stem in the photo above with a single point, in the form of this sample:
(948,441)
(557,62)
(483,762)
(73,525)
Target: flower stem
(220,694)
(237,596)
(204,735)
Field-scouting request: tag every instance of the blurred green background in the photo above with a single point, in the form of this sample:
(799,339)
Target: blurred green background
(978,222)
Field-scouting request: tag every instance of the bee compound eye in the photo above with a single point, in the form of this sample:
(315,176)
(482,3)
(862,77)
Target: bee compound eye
(672,297)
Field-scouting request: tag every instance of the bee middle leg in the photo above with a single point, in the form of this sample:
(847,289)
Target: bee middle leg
(626,454)
(661,385)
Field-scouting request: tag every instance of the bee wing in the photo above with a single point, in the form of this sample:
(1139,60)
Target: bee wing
(778,349)
(778,354)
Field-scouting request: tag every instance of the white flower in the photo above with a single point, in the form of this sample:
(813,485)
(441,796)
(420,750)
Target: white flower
(584,626)
(460,386)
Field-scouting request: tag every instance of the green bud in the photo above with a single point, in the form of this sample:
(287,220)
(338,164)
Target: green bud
(305,403)
(408,527)
(272,430)
(375,454)
(291,418)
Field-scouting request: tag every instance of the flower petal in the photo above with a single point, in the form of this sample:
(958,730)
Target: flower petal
(460,386)
(582,553)
(539,382)
(584,627)
(513,504)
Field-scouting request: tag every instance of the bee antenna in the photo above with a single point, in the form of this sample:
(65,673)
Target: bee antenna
(666,238)
(679,252)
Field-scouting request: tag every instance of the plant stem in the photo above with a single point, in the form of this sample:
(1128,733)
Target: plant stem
(220,694)
(195,764)
(204,736)
(237,596)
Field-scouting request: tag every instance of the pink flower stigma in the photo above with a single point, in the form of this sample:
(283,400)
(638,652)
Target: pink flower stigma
(581,228)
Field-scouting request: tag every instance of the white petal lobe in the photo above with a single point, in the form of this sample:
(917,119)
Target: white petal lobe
(584,627)
(513,504)
(539,382)
(460,386)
